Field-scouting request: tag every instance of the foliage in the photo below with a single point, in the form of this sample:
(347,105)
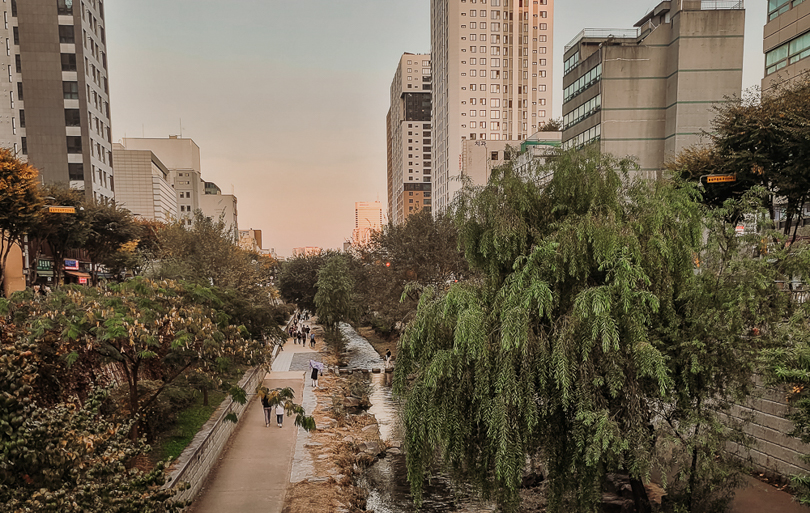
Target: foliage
(763,142)
(552,125)
(160,329)
(399,260)
(68,458)
(20,204)
(334,300)
(111,228)
(61,232)
(298,278)
(588,324)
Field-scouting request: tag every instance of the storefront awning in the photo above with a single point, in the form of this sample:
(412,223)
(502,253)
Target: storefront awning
(78,274)
(45,274)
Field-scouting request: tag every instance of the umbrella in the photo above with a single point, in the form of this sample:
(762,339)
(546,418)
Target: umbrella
(317,365)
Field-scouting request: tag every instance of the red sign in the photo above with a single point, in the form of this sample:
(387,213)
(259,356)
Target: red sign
(83,281)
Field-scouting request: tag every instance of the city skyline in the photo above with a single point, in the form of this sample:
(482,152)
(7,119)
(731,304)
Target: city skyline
(262,86)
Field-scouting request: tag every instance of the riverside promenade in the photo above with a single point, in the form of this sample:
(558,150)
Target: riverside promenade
(254,470)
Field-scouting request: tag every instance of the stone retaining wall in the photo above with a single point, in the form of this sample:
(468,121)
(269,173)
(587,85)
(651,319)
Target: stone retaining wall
(201,455)
(774,452)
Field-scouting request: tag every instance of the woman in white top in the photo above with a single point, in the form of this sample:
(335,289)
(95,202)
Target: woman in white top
(280,414)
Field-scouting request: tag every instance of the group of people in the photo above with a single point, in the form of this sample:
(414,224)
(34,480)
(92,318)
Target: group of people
(299,331)
(268,412)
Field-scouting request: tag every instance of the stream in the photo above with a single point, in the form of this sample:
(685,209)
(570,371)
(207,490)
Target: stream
(385,481)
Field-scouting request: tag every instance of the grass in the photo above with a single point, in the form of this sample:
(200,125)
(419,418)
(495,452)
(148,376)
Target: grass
(189,422)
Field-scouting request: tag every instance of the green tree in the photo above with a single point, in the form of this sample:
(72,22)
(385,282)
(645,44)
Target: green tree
(588,326)
(145,328)
(298,278)
(69,457)
(61,232)
(20,204)
(111,227)
(334,300)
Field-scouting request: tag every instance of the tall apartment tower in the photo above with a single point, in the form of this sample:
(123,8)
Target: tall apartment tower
(648,91)
(409,138)
(492,74)
(786,42)
(61,93)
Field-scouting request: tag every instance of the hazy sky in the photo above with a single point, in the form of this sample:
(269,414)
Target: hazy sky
(287,99)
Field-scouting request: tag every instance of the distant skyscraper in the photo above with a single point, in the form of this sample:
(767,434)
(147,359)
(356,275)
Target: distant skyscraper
(60,94)
(492,79)
(787,41)
(368,218)
(648,91)
(408,138)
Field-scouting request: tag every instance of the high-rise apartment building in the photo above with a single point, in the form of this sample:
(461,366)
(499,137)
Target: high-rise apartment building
(786,42)
(409,138)
(492,74)
(648,91)
(368,218)
(60,93)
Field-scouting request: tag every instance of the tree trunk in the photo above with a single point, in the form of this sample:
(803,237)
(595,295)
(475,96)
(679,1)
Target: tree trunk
(205,396)
(132,378)
(693,475)
(640,498)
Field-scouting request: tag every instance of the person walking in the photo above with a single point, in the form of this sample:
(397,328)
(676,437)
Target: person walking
(267,410)
(280,414)
(312,340)
(387,358)
(314,375)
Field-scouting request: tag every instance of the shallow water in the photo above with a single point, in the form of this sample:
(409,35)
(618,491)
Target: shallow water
(385,481)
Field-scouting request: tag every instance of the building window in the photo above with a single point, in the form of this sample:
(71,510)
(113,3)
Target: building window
(74,144)
(69,62)
(777,7)
(18,63)
(70,90)
(73,117)
(76,172)
(22,119)
(66,34)
(24,141)
(788,53)
(64,6)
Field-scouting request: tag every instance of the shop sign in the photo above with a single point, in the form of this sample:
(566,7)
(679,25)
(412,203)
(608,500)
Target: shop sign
(71,265)
(82,281)
(44,265)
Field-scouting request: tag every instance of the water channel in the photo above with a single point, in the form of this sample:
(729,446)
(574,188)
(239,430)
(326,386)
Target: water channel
(385,481)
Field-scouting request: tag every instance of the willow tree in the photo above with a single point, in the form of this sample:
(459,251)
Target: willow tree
(576,340)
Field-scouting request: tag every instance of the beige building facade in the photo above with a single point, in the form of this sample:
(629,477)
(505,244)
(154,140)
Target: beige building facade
(368,218)
(251,240)
(648,91)
(144,184)
(409,137)
(60,92)
(481,157)
(492,79)
(216,206)
(786,41)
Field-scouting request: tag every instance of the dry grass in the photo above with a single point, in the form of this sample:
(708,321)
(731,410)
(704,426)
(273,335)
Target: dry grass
(333,449)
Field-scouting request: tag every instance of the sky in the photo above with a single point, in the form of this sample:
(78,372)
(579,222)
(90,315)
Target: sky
(287,99)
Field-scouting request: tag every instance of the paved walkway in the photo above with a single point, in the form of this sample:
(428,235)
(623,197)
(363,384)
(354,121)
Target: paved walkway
(254,469)
(759,497)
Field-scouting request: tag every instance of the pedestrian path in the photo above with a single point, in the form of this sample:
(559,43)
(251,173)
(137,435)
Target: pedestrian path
(254,469)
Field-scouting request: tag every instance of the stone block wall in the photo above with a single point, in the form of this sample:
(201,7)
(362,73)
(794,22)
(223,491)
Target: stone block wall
(774,451)
(201,455)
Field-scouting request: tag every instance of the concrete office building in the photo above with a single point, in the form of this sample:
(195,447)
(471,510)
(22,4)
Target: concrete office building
(144,184)
(649,91)
(61,92)
(9,103)
(408,137)
(215,205)
(786,41)
(492,79)
(182,158)
(479,158)
(368,218)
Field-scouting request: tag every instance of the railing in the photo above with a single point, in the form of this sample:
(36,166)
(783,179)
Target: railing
(622,33)
(719,5)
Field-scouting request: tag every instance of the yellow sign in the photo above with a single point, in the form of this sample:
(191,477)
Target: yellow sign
(62,210)
(721,178)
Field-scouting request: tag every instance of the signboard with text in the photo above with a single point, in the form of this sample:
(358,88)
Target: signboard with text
(71,265)
(721,178)
(62,210)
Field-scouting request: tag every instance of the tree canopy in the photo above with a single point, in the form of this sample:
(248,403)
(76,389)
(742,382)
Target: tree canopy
(590,322)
